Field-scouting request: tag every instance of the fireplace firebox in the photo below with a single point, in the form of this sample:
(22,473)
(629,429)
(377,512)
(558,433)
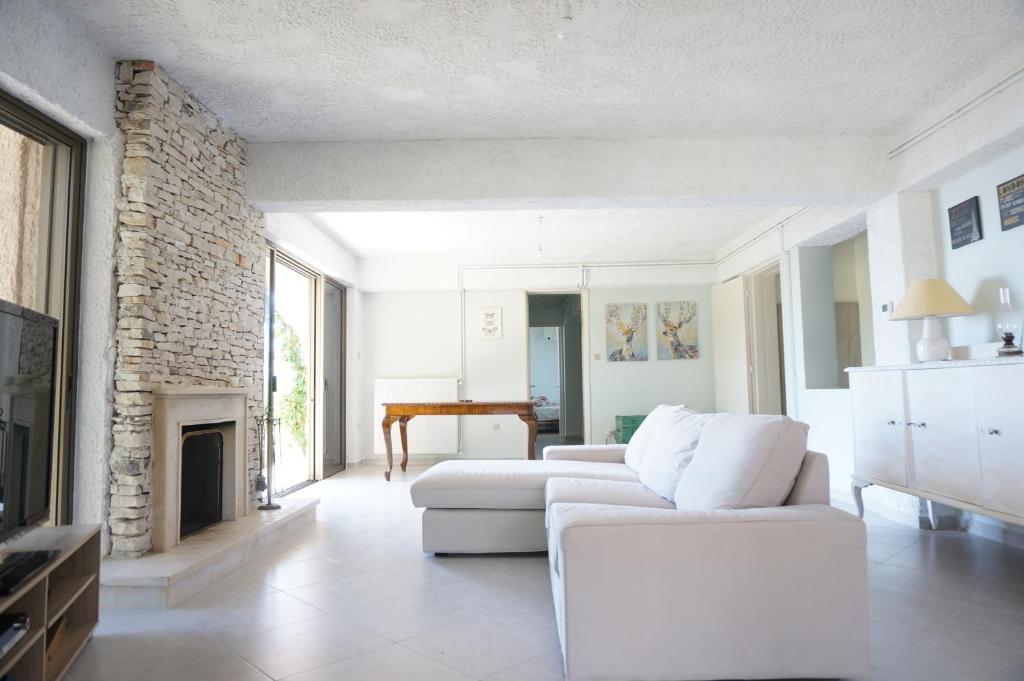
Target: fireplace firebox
(202,476)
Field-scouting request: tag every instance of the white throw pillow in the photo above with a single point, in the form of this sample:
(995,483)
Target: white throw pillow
(637,444)
(669,452)
(743,461)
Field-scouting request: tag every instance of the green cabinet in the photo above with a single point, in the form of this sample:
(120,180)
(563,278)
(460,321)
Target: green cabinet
(625,426)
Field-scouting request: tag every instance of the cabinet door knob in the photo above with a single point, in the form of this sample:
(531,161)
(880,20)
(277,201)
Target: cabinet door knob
(922,424)
(891,422)
(994,431)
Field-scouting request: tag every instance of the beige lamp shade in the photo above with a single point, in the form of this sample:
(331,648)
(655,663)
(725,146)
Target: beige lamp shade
(931,298)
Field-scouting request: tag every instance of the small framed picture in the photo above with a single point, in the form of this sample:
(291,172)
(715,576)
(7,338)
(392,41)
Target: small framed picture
(965,223)
(490,322)
(1011,203)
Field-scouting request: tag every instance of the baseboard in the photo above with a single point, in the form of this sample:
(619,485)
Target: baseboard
(417,460)
(978,525)
(996,530)
(842,498)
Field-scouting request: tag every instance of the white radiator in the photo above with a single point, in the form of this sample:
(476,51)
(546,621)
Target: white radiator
(427,434)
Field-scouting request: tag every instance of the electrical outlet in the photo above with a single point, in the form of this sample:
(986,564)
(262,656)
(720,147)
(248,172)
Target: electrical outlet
(496,426)
(597,356)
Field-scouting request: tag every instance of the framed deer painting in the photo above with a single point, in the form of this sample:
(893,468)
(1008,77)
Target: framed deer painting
(677,332)
(625,332)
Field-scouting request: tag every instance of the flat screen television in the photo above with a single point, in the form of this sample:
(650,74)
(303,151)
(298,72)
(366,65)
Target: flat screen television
(28,351)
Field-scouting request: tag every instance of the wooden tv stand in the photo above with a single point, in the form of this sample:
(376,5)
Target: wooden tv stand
(61,598)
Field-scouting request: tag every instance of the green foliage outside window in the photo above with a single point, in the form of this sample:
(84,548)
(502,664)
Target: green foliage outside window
(293,406)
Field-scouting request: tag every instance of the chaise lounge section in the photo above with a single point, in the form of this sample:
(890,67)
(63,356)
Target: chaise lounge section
(497,506)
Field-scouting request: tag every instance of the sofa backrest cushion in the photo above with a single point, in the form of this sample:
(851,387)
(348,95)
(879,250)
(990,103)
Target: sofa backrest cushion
(743,461)
(638,444)
(670,449)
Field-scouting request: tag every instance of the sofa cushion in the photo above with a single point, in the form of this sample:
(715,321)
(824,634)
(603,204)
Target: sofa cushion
(743,461)
(638,444)
(595,491)
(502,483)
(670,449)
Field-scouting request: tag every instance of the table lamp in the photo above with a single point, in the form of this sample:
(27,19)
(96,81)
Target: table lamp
(929,299)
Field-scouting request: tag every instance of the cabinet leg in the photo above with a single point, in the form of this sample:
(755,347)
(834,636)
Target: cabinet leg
(857,487)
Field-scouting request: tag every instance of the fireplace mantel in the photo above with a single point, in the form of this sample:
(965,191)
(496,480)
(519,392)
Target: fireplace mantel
(175,406)
(172,391)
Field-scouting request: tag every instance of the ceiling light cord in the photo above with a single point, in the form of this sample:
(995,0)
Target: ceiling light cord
(565,23)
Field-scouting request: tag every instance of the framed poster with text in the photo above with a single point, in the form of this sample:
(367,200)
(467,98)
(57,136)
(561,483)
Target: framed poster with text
(1011,203)
(965,223)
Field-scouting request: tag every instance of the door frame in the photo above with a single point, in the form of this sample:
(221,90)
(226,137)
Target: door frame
(321,471)
(759,336)
(275,254)
(584,347)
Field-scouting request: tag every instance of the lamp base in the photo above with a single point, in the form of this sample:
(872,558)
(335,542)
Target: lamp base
(1009,349)
(932,347)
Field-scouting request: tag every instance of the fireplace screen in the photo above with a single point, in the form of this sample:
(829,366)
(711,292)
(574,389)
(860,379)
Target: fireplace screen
(202,477)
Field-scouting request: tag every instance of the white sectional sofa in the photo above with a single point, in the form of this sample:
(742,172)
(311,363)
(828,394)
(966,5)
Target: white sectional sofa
(756,578)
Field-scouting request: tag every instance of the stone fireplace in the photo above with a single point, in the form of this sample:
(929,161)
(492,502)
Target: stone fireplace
(190,274)
(183,416)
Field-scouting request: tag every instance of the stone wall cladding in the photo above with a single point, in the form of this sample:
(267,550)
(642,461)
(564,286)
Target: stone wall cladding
(190,273)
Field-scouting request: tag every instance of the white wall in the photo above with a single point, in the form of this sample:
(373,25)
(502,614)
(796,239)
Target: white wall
(407,334)
(404,335)
(496,369)
(625,388)
(978,270)
(51,63)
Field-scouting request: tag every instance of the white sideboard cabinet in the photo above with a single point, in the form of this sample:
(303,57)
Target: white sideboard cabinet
(951,432)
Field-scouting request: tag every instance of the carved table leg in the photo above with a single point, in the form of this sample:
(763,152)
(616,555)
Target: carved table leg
(531,434)
(402,421)
(857,487)
(386,425)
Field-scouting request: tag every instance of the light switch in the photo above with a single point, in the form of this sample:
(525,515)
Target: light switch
(597,356)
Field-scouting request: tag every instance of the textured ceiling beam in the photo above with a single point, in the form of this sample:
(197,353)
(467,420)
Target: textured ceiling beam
(550,173)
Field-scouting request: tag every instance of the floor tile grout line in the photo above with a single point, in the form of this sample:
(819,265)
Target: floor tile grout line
(520,664)
(443,664)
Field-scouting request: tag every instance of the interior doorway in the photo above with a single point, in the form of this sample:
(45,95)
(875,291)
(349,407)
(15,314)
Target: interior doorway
(556,367)
(767,361)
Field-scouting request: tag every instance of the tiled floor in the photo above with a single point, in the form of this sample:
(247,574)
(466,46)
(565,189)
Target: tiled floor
(354,599)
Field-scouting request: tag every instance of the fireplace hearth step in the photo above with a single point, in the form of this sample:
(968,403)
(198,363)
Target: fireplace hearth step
(163,580)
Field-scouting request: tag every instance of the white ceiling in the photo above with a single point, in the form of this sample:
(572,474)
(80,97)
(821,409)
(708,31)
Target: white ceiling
(319,70)
(562,236)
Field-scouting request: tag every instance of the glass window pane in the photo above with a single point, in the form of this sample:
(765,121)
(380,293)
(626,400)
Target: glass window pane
(25,190)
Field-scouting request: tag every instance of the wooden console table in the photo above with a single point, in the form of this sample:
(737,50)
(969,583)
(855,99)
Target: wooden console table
(403,412)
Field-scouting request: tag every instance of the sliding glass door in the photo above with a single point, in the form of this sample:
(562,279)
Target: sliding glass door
(333,375)
(305,363)
(293,302)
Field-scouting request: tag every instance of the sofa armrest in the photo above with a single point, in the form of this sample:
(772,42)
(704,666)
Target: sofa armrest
(781,583)
(593,453)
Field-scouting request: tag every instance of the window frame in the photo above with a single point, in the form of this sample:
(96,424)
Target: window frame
(34,124)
